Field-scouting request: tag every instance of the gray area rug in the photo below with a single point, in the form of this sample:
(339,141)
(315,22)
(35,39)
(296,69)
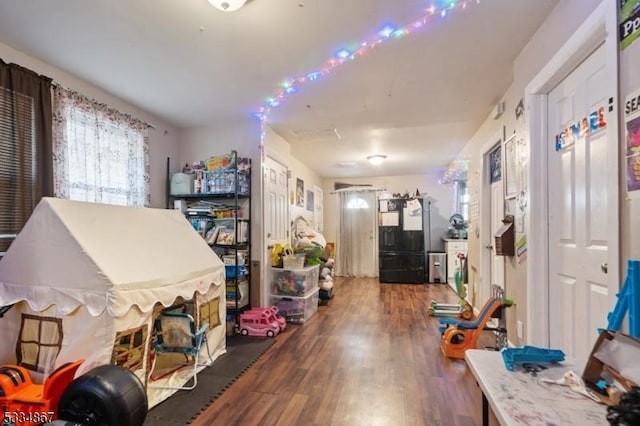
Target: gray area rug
(184,406)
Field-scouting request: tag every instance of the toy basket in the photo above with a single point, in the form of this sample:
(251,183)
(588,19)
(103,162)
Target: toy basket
(293,261)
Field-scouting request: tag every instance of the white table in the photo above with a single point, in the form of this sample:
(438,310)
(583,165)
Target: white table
(519,398)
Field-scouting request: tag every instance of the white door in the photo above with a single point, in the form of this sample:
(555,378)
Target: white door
(357,249)
(276,210)
(275,218)
(583,222)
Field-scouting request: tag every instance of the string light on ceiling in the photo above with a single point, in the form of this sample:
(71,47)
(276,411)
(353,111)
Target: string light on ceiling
(388,32)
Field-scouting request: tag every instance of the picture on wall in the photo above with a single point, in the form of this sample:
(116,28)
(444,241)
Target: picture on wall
(495,164)
(299,192)
(310,200)
(510,167)
(318,214)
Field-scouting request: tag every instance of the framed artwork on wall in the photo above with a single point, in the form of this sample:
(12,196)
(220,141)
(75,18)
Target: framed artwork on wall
(495,165)
(309,200)
(319,210)
(299,192)
(510,178)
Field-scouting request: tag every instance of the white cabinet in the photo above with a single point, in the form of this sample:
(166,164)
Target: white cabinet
(452,248)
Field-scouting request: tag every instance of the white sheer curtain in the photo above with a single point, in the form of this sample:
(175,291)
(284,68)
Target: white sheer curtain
(356,251)
(100,155)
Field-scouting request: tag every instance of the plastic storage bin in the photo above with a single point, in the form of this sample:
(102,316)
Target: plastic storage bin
(294,282)
(296,309)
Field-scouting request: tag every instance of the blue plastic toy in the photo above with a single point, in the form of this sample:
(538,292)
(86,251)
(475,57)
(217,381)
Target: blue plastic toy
(628,300)
(530,355)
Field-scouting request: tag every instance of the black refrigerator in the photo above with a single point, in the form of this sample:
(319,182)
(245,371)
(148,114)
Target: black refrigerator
(401,241)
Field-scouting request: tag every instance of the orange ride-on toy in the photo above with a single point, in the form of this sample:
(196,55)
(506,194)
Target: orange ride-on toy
(26,403)
(469,321)
(107,395)
(464,335)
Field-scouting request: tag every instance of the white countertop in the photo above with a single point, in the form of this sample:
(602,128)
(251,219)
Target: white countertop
(518,398)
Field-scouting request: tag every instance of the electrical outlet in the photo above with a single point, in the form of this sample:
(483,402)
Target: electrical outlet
(520,330)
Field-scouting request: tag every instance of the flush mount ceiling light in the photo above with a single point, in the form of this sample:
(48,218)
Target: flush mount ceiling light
(227,5)
(377,159)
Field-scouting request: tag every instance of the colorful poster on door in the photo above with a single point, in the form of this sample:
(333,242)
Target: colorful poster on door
(629,22)
(633,173)
(632,143)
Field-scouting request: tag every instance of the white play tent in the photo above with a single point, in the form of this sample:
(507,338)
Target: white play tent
(87,277)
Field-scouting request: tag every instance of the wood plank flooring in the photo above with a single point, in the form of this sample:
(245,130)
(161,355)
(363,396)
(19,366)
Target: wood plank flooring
(370,357)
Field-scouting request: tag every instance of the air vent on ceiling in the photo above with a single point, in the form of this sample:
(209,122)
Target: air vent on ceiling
(316,135)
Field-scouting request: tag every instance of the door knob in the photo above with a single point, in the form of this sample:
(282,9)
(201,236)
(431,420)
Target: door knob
(604,267)
(489,246)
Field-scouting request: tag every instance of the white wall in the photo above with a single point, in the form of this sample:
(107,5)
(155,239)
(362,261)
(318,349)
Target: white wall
(163,140)
(243,136)
(311,180)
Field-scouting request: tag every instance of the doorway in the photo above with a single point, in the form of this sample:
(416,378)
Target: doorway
(579,234)
(276,214)
(357,249)
(574,266)
(492,214)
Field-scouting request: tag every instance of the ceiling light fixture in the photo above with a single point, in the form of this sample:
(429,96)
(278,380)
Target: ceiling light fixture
(377,159)
(227,5)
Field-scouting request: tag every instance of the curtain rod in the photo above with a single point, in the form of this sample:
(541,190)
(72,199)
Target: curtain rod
(357,189)
(102,104)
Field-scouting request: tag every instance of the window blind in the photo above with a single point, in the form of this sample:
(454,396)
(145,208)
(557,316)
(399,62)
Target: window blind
(17,163)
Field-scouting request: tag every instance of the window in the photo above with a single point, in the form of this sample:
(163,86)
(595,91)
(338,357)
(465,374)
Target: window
(25,147)
(461,197)
(357,203)
(39,342)
(100,155)
(17,162)
(210,313)
(129,348)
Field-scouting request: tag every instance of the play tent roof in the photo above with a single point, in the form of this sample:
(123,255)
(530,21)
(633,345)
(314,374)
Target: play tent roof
(73,253)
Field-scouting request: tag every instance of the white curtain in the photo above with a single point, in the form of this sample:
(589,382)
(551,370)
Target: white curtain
(356,251)
(99,154)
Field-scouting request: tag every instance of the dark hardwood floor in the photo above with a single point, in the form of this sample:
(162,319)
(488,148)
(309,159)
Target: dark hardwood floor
(370,357)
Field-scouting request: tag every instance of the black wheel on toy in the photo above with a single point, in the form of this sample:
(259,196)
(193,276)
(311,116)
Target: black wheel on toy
(244,332)
(270,333)
(457,338)
(108,395)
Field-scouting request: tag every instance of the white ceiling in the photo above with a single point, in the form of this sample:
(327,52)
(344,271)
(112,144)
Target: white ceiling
(417,98)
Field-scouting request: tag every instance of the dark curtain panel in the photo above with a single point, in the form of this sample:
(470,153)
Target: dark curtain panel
(26,164)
